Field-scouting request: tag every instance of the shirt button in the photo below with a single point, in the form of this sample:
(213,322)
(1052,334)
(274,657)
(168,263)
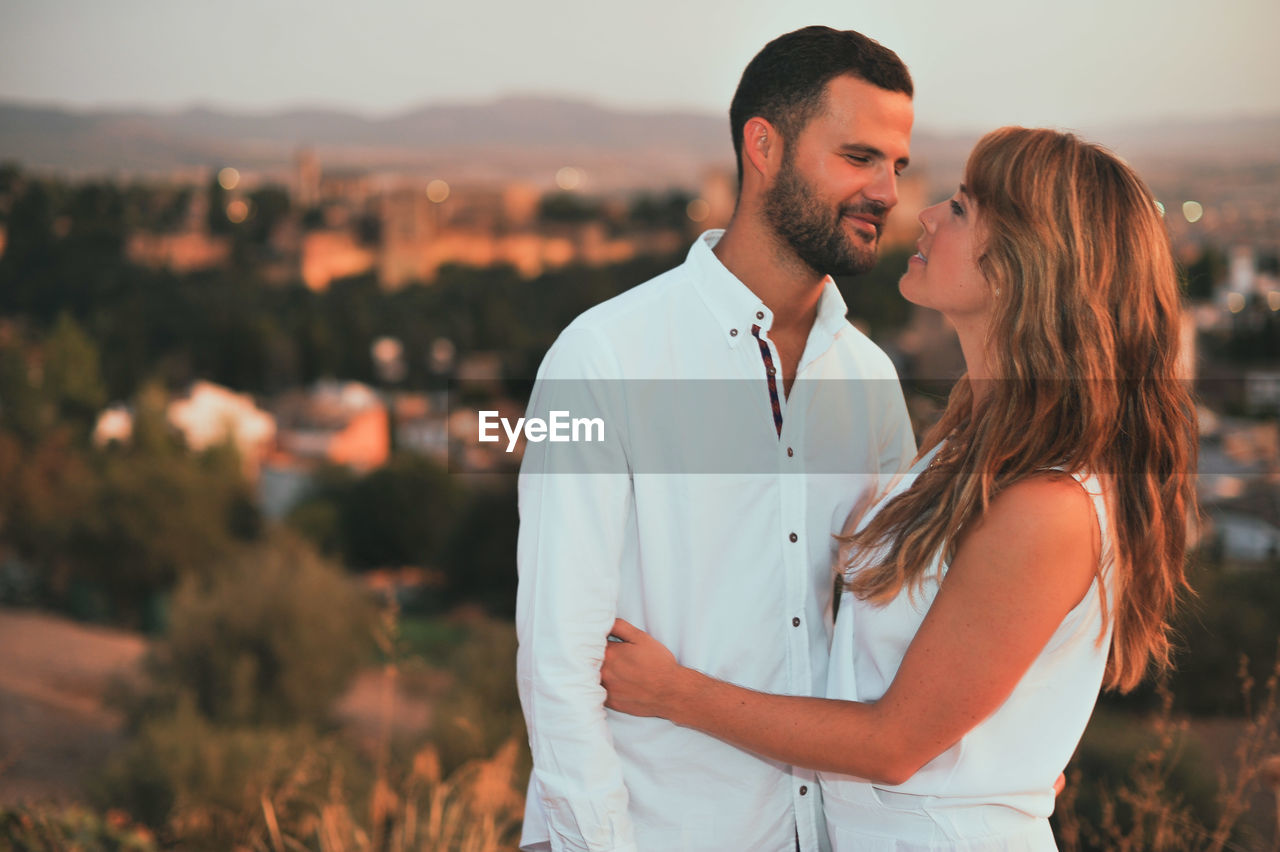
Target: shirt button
(803,789)
(794,538)
(733,332)
(790,452)
(795,622)
(759,314)
(772,371)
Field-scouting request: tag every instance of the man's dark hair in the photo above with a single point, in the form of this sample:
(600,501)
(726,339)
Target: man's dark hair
(785,82)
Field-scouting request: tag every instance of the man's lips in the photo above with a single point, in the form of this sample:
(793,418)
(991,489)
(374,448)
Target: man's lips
(865,223)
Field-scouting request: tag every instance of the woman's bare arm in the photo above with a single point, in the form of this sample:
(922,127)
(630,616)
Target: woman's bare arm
(1014,577)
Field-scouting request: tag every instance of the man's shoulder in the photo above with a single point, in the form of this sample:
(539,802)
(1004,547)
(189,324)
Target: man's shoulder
(611,334)
(639,305)
(864,353)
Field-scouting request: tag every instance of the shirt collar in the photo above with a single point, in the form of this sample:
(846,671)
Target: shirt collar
(832,309)
(736,308)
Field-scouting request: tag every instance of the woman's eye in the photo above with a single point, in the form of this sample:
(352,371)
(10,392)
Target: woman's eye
(956,208)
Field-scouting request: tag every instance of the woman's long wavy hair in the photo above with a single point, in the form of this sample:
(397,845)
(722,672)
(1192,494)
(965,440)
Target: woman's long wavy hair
(1085,338)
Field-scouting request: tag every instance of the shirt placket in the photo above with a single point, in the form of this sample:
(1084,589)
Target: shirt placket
(792,493)
(771,375)
(793,489)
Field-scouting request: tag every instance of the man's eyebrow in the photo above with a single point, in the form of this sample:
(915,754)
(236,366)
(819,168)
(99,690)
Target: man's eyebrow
(872,151)
(964,190)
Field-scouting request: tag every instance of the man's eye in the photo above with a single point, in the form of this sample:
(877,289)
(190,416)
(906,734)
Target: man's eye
(956,208)
(862,161)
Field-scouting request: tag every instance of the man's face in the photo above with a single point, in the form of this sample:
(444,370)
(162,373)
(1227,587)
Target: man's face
(838,177)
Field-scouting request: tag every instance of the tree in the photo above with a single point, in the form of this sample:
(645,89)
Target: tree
(661,211)
(873,297)
(217,217)
(72,378)
(1204,273)
(400,514)
(568,208)
(268,207)
(272,636)
(481,557)
(46,487)
(156,514)
(24,411)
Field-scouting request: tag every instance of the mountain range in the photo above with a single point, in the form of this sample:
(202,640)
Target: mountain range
(524,138)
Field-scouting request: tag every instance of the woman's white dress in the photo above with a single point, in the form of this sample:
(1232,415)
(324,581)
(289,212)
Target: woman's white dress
(993,790)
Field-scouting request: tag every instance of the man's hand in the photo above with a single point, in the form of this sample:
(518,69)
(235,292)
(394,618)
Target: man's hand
(639,673)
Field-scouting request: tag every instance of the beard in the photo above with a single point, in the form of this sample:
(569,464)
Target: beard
(813,232)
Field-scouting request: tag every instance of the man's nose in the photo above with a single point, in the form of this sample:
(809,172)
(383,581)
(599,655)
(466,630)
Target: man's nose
(884,188)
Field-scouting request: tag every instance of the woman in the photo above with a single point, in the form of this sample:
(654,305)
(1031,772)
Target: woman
(1036,550)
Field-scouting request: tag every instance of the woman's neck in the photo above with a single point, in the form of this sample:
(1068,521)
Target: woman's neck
(977,361)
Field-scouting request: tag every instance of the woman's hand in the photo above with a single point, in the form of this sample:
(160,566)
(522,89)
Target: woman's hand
(641,676)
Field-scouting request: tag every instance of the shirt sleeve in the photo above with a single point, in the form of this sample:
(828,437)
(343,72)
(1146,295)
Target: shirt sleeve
(576,506)
(897,440)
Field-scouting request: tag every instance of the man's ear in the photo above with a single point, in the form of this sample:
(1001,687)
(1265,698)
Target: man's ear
(761,148)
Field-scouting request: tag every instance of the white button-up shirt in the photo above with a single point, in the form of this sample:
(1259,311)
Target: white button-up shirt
(698,521)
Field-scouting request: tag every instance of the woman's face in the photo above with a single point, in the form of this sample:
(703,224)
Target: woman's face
(944,274)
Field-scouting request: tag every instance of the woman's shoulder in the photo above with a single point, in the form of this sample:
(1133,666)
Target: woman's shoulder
(1043,529)
(1053,497)
(1051,507)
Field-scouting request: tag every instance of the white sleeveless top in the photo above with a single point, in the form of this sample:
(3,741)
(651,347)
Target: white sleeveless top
(993,790)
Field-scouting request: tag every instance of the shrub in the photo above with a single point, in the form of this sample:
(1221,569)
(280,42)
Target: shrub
(272,636)
(1150,788)
(201,784)
(205,787)
(38,828)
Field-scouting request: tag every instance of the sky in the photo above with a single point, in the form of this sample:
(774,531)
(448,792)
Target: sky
(976,63)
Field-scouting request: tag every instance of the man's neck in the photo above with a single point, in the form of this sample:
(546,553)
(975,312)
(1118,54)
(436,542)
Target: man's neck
(788,287)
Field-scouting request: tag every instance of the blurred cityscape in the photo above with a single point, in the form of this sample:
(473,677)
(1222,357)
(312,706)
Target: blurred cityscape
(263,373)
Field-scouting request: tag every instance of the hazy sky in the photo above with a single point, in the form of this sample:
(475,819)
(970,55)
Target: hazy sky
(976,63)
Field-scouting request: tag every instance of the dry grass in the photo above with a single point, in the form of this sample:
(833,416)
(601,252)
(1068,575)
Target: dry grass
(308,796)
(1147,814)
(409,806)
(477,808)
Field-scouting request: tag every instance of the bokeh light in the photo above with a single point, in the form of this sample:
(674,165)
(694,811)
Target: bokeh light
(437,191)
(228,178)
(1273,300)
(1235,302)
(698,210)
(569,178)
(238,211)
(388,359)
(1160,207)
(1193,210)
(442,354)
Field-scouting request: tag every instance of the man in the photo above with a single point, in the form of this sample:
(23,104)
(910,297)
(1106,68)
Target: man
(745,417)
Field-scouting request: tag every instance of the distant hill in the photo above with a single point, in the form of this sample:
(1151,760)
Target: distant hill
(510,138)
(1252,138)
